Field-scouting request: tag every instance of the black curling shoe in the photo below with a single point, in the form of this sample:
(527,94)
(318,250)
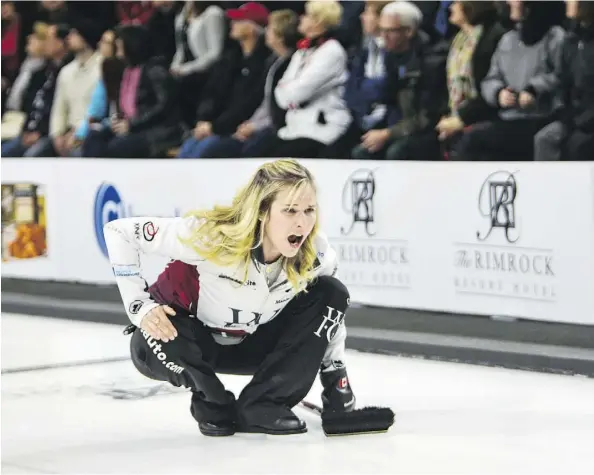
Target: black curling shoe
(285,425)
(220,429)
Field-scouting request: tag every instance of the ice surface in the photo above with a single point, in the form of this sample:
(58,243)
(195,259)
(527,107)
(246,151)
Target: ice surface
(107,418)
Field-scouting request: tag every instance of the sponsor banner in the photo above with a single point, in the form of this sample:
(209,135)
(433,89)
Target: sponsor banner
(86,194)
(23,221)
(512,239)
(509,239)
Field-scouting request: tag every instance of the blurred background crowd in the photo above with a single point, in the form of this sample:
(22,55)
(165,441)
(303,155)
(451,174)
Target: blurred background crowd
(400,80)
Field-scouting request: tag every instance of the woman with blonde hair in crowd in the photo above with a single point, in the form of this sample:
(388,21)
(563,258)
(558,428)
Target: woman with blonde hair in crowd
(311,90)
(261,297)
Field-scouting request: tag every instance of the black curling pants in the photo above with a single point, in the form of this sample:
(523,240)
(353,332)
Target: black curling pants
(284,356)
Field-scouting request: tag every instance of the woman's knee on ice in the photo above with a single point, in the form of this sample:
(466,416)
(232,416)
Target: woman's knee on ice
(332,289)
(331,284)
(139,354)
(154,358)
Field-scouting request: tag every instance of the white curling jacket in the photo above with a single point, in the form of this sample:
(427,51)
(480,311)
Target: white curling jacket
(224,302)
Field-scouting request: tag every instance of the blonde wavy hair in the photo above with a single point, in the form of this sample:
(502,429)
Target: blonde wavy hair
(327,12)
(228,234)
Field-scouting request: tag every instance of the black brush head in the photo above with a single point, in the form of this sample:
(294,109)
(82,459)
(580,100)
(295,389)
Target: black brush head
(360,421)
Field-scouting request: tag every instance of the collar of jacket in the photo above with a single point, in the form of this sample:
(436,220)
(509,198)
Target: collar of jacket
(258,256)
(316,42)
(260,49)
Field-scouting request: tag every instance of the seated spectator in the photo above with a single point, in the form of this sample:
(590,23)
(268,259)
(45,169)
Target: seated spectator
(571,15)
(248,139)
(99,105)
(76,84)
(410,88)
(235,88)
(369,18)
(145,122)
(34,62)
(365,88)
(435,20)
(134,12)
(29,80)
(103,108)
(55,11)
(522,83)
(572,136)
(200,31)
(103,13)
(11,61)
(350,33)
(468,62)
(161,28)
(311,90)
(34,140)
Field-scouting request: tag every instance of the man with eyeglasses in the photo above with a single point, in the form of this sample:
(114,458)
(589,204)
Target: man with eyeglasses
(399,105)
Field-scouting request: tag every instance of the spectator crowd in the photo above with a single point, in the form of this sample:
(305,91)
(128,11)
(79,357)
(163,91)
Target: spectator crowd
(399,80)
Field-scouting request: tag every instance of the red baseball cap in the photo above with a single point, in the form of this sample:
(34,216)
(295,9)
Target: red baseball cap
(251,11)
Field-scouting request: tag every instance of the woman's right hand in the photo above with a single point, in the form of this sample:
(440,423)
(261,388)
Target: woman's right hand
(157,324)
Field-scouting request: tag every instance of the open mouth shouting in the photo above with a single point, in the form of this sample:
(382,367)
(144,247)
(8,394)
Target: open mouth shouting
(295,240)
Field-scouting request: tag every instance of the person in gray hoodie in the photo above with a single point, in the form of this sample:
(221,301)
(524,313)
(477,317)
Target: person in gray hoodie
(521,83)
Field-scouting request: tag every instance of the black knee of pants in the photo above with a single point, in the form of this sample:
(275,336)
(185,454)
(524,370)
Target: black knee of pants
(335,291)
(300,336)
(159,360)
(579,146)
(184,361)
(138,353)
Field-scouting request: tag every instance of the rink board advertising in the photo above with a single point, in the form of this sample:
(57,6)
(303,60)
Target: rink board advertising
(23,221)
(506,239)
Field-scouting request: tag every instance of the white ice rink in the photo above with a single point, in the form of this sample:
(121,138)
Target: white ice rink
(450,418)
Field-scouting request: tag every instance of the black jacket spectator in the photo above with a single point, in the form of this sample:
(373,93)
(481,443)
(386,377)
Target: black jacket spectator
(35,84)
(161,27)
(157,112)
(235,89)
(417,90)
(571,137)
(277,113)
(148,120)
(576,74)
(39,109)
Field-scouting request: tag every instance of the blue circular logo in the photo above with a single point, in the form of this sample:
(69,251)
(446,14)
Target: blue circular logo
(108,207)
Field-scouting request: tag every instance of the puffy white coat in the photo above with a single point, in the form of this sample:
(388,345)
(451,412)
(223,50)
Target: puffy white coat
(311,90)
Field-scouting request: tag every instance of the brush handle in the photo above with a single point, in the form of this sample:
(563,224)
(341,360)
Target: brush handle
(312,407)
